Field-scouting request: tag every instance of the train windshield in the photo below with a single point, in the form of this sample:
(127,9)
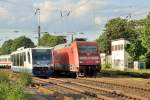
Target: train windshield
(41,56)
(87,49)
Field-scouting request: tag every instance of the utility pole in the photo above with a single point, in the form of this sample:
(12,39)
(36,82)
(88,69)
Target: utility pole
(72,38)
(37,12)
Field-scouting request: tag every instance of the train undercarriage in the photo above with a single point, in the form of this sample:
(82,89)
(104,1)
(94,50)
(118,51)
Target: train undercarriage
(89,70)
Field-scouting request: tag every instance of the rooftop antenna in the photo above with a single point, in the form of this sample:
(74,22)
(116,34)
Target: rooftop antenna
(37,12)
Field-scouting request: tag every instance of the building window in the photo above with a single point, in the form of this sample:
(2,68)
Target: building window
(115,47)
(112,48)
(121,46)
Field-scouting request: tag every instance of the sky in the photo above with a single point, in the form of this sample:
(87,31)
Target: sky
(65,17)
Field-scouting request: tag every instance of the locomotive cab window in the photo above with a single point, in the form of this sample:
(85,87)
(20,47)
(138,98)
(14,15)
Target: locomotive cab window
(87,49)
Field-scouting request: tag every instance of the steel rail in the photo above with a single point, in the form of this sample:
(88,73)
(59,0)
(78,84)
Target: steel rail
(91,94)
(113,92)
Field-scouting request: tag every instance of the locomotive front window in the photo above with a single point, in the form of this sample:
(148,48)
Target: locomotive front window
(44,57)
(87,49)
(41,56)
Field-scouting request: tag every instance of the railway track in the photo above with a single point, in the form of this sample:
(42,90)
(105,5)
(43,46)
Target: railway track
(146,88)
(94,88)
(74,88)
(141,91)
(94,91)
(116,94)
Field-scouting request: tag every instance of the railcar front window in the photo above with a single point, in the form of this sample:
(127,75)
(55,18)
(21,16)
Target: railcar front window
(40,57)
(87,49)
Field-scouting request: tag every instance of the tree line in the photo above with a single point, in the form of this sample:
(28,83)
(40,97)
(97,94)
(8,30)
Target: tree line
(46,40)
(136,31)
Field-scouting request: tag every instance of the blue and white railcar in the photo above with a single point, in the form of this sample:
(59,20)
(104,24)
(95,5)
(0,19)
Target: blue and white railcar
(36,61)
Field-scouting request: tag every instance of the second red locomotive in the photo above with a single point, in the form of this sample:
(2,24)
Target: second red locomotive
(77,58)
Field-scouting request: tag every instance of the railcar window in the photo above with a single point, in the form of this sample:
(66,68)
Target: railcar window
(9,59)
(21,59)
(87,49)
(29,57)
(24,55)
(14,60)
(17,59)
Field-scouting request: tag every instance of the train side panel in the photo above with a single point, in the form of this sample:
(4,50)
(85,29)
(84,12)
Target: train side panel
(35,61)
(22,61)
(75,58)
(61,59)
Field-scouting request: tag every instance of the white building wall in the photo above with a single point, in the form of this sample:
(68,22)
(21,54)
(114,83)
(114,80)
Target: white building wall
(119,55)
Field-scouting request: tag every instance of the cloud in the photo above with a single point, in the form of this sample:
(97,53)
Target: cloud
(77,9)
(4,13)
(83,7)
(47,9)
(98,20)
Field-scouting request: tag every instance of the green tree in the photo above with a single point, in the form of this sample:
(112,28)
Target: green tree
(6,47)
(0,51)
(135,49)
(51,40)
(118,28)
(21,41)
(145,36)
(103,43)
(146,33)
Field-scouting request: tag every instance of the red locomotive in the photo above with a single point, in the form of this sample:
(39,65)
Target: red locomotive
(77,58)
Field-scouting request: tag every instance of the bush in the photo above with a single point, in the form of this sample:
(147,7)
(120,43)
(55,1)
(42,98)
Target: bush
(11,91)
(25,79)
(106,66)
(4,89)
(15,92)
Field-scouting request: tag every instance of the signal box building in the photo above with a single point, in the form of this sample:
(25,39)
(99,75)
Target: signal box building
(119,55)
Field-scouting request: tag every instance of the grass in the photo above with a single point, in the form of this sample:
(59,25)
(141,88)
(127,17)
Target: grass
(25,79)
(4,76)
(133,73)
(140,71)
(30,96)
(13,90)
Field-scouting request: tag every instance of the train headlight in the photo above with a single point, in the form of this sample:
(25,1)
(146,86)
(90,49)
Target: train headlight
(97,61)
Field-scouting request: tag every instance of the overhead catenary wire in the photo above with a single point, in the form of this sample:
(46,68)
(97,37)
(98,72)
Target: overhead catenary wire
(70,11)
